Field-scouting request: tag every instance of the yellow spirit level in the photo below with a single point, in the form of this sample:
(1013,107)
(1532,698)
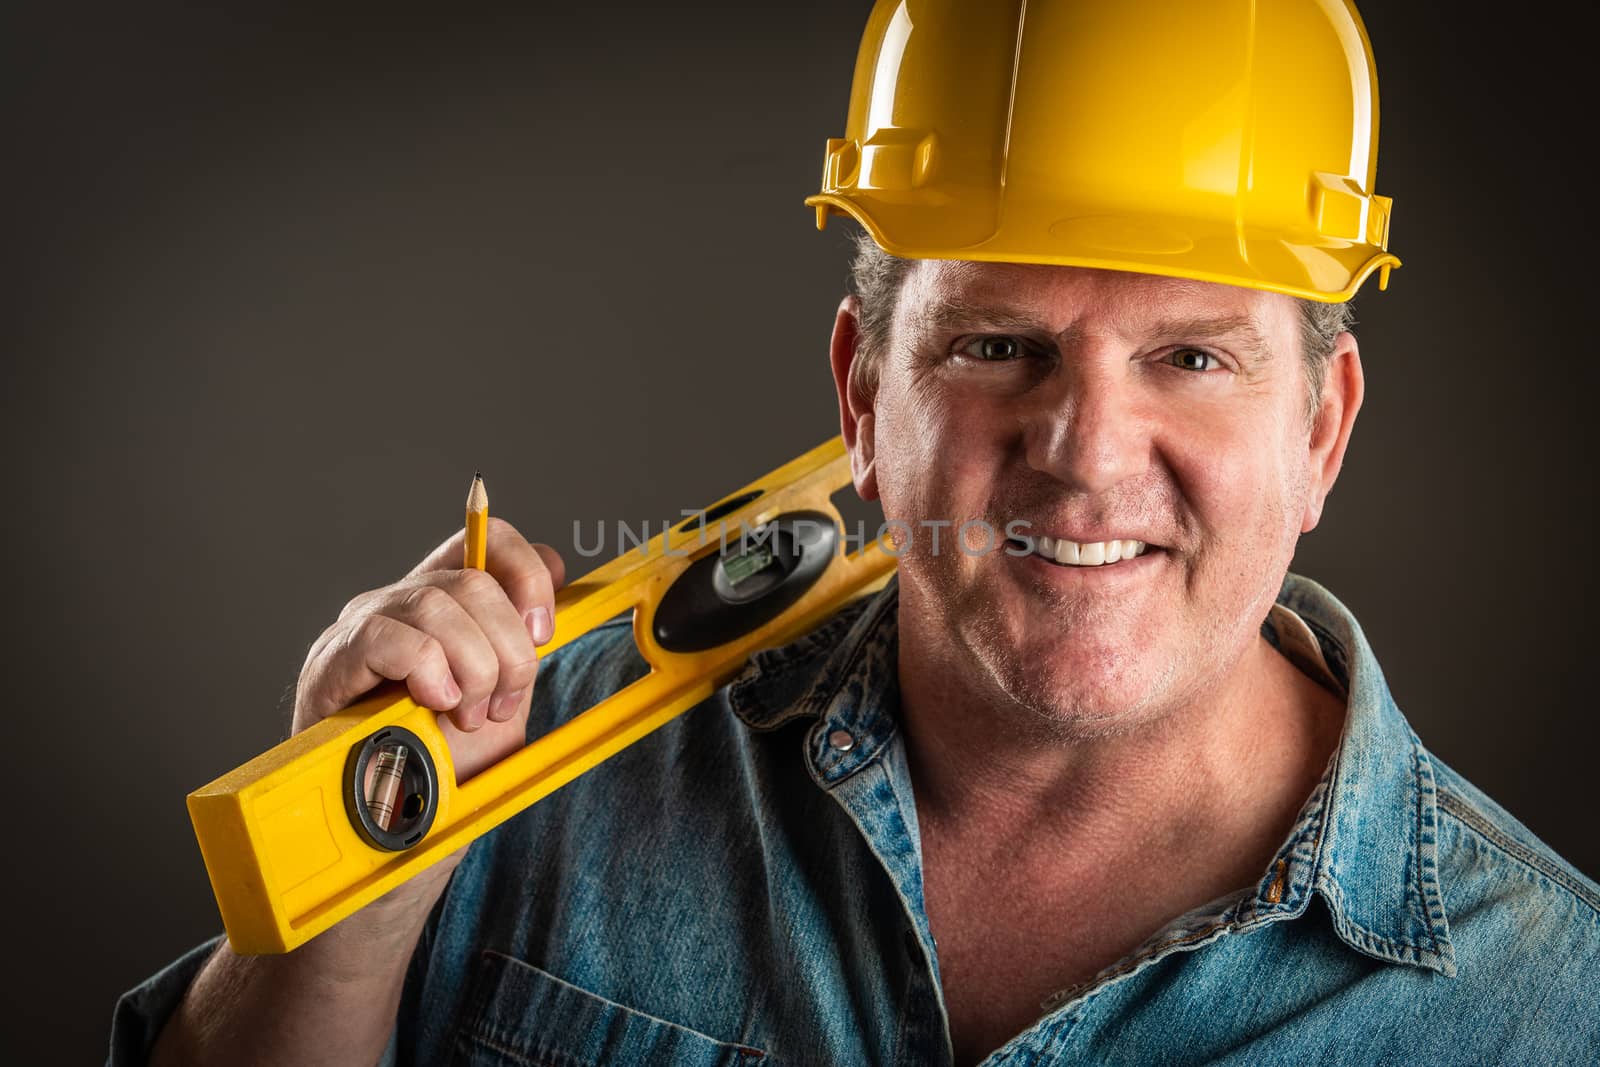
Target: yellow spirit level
(321,825)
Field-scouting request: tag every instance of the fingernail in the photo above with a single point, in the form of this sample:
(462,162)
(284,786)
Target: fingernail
(539,627)
(476,716)
(505,706)
(452,691)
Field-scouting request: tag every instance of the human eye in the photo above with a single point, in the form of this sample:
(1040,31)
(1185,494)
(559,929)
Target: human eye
(1193,359)
(994,349)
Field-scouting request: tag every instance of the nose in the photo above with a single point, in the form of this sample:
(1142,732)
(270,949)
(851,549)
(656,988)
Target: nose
(1084,428)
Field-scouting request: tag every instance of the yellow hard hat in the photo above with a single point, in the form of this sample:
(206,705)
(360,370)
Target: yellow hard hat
(1230,141)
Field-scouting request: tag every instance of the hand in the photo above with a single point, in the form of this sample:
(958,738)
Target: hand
(463,641)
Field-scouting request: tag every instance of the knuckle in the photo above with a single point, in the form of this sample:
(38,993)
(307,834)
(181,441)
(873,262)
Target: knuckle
(477,670)
(518,675)
(430,648)
(501,527)
(366,631)
(363,642)
(355,604)
(476,584)
(425,600)
(533,580)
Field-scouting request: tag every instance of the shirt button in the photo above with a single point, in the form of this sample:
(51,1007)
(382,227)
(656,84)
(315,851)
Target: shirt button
(841,740)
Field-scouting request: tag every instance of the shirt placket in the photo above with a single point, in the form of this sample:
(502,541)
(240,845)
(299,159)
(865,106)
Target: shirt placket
(860,774)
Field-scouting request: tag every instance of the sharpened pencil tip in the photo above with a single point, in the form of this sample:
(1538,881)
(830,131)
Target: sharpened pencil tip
(478,495)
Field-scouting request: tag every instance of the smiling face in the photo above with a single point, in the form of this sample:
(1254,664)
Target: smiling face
(1092,407)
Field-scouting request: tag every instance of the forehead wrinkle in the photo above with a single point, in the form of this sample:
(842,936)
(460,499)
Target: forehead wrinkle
(954,313)
(947,295)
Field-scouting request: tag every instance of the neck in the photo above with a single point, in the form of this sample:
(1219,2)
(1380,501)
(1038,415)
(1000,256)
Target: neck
(1230,766)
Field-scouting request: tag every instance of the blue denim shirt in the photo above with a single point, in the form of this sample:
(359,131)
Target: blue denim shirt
(745,887)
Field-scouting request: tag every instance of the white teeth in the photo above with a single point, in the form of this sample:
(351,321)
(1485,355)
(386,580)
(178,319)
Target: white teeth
(1090,555)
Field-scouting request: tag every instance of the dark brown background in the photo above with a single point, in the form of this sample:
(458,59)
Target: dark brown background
(279,280)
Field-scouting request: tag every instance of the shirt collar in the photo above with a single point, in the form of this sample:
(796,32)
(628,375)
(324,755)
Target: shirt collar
(842,675)
(1365,841)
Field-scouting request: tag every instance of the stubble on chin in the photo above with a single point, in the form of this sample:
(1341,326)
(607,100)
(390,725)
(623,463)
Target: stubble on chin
(1044,702)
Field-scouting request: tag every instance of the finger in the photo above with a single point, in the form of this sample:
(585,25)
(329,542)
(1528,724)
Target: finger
(359,655)
(473,753)
(529,573)
(525,572)
(533,588)
(484,641)
(552,563)
(507,630)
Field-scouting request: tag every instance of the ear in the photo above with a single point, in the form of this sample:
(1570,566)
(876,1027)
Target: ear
(1342,389)
(855,408)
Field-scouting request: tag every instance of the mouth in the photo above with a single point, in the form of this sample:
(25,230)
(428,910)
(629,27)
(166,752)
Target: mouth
(1072,554)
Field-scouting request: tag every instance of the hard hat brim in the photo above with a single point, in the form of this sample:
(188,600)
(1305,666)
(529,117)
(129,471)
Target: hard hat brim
(1329,271)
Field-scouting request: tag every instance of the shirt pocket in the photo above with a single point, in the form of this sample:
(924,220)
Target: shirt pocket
(518,1015)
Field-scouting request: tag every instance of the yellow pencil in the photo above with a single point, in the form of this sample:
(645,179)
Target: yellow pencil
(477,548)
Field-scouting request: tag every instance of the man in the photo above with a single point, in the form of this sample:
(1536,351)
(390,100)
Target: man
(1122,790)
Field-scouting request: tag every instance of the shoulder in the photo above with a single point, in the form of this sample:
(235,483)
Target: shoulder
(1519,916)
(1525,923)
(1502,845)
(606,645)
(583,671)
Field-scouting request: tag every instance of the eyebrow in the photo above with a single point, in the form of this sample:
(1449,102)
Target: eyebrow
(1241,329)
(949,315)
(955,314)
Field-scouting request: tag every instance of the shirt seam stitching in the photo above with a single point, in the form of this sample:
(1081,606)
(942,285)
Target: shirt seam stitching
(1461,809)
(1330,887)
(1339,662)
(557,1057)
(1081,994)
(620,1008)
(1423,894)
(1333,892)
